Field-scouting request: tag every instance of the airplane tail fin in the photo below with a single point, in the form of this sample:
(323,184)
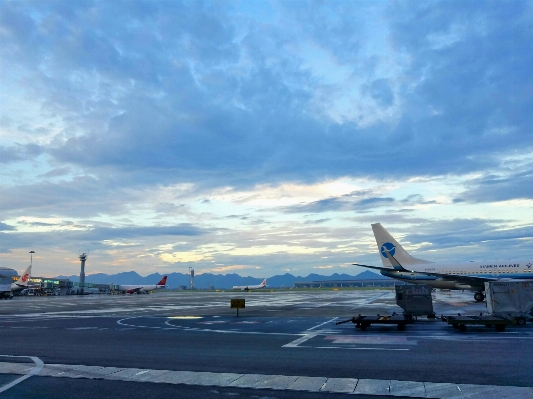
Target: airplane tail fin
(387,245)
(264,283)
(163,281)
(25,278)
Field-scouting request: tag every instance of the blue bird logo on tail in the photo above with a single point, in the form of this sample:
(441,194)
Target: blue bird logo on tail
(389,246)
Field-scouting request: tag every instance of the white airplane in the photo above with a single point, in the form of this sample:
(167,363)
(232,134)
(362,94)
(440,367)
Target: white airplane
(22,282)
(135,289)
(250,287)
(398,264)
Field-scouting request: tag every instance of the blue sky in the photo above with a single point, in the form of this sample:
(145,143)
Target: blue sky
(263,137)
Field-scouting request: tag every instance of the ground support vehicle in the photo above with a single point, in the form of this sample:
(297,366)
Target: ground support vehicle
(415,300)
(460,322)
(363,322)
(510,299)
(6,279)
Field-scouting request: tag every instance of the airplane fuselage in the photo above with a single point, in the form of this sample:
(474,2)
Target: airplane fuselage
(250,287)
(520,269)
(127,288)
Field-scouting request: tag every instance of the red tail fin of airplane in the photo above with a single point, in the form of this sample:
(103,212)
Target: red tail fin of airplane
(163,281)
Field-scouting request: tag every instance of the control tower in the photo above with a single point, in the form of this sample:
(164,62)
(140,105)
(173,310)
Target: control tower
(191,278)
(83,258)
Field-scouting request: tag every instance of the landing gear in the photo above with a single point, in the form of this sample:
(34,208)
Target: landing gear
(479,297)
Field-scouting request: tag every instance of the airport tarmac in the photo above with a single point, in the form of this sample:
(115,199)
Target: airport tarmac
(283,345)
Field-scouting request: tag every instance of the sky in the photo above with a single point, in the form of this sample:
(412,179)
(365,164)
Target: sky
(263,137)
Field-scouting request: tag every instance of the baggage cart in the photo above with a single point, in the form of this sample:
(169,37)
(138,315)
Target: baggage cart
(363,322)
(460,322)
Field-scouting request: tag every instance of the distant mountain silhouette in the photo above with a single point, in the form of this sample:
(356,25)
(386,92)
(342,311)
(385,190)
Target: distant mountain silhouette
(206,280)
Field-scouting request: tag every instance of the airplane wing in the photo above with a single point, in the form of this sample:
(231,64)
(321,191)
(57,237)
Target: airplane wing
(467,280)
(463,280)
(388,269)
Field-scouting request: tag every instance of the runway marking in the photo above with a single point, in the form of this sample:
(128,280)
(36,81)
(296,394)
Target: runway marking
(120,322)
(263,381)
(326,322)
(173,327)
(297,342)
(362,349)
(370,340)
(36,370)
(82,328)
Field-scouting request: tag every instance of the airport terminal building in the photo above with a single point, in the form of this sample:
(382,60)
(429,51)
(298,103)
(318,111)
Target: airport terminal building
(363,283)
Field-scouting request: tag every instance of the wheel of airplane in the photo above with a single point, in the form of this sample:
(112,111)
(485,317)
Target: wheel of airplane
(521,321)
(479,297)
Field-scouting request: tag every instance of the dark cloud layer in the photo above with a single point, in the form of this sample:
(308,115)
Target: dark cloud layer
(95,236)
(357,201)
(187,87)
(494,188)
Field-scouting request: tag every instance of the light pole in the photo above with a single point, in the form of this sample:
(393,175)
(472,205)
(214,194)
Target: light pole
(31,257)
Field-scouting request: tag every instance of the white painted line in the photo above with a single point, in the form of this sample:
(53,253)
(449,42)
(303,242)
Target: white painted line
(221,331)
(326,322)
(82,328)
(38,367)
(121,323)
(362,349)
(300,340)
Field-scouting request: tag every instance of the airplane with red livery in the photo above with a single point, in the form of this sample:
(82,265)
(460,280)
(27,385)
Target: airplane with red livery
(22,282)
(250,287)
(137,289)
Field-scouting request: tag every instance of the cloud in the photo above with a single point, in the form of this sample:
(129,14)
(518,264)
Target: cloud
(107,233)
(225,269)
(477,236)
(194,99)
(318,221)
(148,114)
(19,153)
(495,188)
(6,227)
(357,201)
(380,90)
(57,172)
(97,237)
(82,196)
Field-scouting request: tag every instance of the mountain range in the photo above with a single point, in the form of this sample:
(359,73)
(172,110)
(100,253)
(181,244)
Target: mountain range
(205,280)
